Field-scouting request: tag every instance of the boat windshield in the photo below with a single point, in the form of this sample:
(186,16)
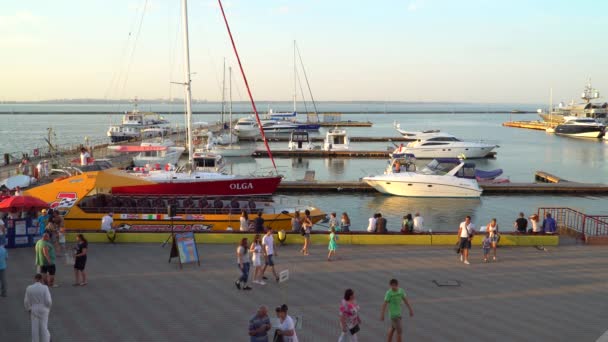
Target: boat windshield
(440,166)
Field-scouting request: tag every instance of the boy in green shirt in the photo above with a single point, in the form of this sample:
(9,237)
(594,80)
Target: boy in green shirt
(393,298)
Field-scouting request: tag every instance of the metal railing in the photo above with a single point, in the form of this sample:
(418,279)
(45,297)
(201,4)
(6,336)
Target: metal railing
(587,225)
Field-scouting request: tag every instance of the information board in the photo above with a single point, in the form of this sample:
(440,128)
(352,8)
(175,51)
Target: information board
(186,246)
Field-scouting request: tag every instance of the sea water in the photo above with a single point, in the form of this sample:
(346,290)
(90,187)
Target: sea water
(521,153)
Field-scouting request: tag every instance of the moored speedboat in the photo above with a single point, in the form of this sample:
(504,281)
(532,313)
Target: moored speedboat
(440,178)
(299,141)
(581,128)
(336,140)
(444,145)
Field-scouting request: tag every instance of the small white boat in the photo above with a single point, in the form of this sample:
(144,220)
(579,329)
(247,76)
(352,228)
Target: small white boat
(21,181)
(440,178)
(336,140)
(155,132)
(445,145)
(300,141)
(246,128)
(161,153)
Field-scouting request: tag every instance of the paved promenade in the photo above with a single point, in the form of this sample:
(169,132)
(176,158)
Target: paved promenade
(135,295)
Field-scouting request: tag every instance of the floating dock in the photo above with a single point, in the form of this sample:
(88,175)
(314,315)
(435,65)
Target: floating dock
(285,138)
(536,125)
(566,188)
(322,154)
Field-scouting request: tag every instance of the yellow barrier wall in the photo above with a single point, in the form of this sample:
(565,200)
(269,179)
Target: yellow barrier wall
(322,239)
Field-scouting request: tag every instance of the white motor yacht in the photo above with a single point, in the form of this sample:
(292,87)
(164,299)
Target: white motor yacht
(246,128)
(300,141)
(440,178)
(415,135)
(445,146)
(580,128)
(336,140)
(161,153)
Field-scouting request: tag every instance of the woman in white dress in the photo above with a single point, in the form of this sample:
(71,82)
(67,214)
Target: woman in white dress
(257,259)
(244,222)
(492,230)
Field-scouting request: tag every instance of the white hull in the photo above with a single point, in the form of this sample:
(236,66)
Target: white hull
(468,152)
(588,135)
(247,133)
(233,151)
(410,184)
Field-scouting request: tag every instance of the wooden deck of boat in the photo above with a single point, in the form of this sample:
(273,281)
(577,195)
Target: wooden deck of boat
(566,188)
(537,125)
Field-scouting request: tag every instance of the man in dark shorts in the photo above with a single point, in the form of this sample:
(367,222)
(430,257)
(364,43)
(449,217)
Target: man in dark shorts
(259,224)
(45,260)
(465,235)
(521,224)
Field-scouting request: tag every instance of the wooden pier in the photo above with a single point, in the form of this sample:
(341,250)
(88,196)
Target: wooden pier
(569,188)
(536,125)
(320,138)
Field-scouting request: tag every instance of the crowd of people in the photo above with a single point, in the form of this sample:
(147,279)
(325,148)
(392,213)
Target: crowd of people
(349,320)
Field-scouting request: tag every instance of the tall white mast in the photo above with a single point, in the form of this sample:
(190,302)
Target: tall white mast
(223,91)
(230,97)
(187,82)
(295,75)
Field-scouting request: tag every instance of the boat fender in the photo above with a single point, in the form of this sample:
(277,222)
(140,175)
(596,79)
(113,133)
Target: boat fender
(168,167)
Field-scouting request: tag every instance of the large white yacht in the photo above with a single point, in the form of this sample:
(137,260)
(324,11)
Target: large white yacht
(444,145)
(580,128)
(133,123)
(585,109)
(440,178)
(415,135)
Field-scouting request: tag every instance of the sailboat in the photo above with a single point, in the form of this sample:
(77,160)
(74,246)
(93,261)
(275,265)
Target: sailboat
(232,149)
(140,204)
(226,138)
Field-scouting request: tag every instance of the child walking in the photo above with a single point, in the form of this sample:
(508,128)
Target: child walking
(486,244)
(392,299)
(333,245)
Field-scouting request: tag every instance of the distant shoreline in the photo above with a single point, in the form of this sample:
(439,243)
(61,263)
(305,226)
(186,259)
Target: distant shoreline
(211,112)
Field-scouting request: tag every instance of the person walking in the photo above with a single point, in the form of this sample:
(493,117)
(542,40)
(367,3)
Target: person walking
(349,317)
(80,261)
(259,223)
(345,223)
(269,253)
(393,298)
(45,260)
(107,225)
(244,221)
(3,264)
(486,244)
(521,224)
(465,235)
(306,229)
(259,325)
(287,328)
(418,223)
(296,222)
(492,230)
(333,243)
(37,302)
(43,219)
(256,252)
(243,263)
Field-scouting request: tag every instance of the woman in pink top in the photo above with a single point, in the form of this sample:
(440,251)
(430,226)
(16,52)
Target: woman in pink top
(349,317)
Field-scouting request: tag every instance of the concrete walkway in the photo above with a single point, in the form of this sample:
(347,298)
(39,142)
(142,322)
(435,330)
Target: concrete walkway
(135,295)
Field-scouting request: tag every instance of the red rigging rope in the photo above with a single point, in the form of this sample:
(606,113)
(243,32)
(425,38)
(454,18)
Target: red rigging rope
(255,110)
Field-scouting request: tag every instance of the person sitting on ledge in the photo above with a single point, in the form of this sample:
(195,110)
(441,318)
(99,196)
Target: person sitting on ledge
(549,225)
(381,225)
(521,224)
(407,226)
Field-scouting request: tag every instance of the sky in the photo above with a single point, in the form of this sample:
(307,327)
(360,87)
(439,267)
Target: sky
(486,51)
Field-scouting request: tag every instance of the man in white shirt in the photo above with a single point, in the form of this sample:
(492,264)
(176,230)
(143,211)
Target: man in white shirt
(38,303)
(107,222)
(418,223)
(84,157)
(465,235)
(268,244)
(371,227)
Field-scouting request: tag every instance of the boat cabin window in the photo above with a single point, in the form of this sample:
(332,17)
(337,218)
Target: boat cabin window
(338,140)
(443,139)
(433,143)
(440,167)
(245,123)
(204,162)
(299,137)
(467,171)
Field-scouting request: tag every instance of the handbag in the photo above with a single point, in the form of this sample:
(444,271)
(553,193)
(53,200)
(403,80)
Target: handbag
(354,329)
(277,337)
